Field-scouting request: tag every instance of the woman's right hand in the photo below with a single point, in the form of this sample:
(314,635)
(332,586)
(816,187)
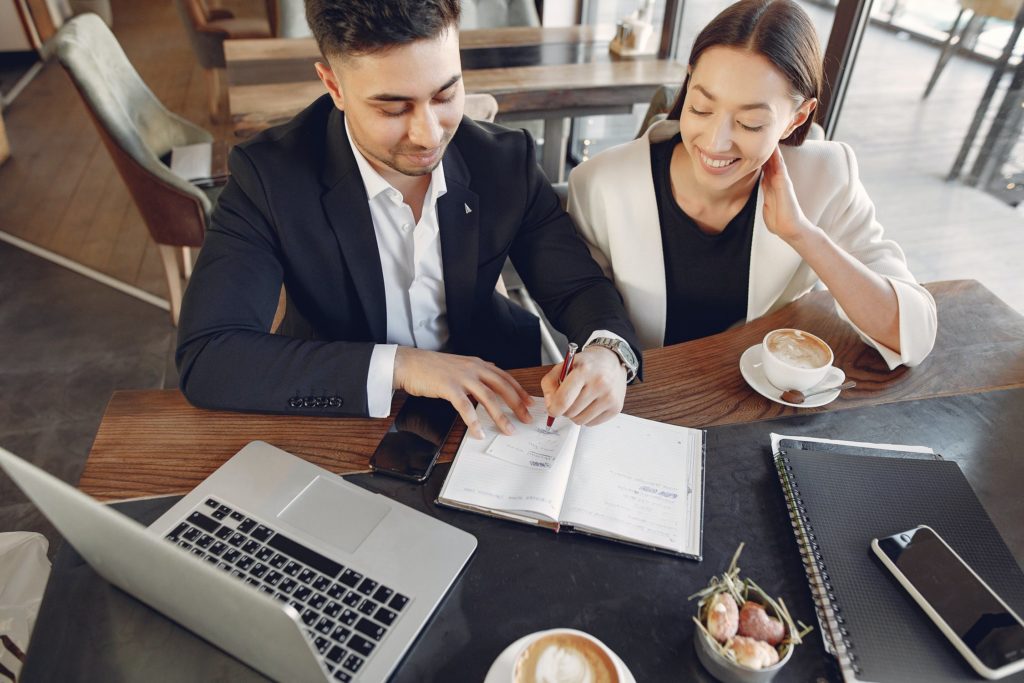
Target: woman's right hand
(781,211)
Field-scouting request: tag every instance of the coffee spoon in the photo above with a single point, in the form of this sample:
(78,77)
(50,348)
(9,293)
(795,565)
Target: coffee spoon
(794,396)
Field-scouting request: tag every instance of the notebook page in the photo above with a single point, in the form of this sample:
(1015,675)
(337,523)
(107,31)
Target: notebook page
(500,482)
(639,480)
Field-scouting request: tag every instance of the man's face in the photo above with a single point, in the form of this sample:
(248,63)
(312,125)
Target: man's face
(402,105)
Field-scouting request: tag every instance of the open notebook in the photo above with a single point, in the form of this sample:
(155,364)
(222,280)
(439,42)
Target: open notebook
(631,480)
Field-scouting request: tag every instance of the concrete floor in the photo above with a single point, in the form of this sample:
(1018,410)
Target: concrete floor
(67,343)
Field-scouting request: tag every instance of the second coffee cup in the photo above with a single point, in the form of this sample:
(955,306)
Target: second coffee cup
(564,656)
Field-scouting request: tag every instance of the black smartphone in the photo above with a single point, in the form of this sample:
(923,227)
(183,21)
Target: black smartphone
(988,634)
(412,444)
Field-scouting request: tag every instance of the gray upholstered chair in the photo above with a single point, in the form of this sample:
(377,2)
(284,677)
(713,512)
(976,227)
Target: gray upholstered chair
(496,13)
(207,30)
(137,130)
(661,103)
(481,107)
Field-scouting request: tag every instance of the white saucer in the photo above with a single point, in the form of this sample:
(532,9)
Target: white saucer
(753,372)
(501,670)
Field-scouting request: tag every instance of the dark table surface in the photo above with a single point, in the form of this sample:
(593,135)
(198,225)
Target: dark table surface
(524,579)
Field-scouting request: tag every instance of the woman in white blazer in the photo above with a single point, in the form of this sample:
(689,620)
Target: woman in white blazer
(724,213)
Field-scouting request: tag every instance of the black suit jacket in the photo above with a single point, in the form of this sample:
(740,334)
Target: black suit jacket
(296,212)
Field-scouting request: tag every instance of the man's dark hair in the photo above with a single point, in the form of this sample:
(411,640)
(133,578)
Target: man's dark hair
(347,28)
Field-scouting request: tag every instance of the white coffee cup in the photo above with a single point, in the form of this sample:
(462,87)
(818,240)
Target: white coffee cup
(564,656)
(794,359)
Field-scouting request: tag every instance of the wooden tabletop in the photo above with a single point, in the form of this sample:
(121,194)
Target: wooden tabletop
(153,442)
(253,61)
(519,90)
(263,50)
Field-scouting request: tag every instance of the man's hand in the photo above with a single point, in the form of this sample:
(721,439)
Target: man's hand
(457,378)
(593,391)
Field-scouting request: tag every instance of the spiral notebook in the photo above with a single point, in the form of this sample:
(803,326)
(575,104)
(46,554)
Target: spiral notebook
(839,498)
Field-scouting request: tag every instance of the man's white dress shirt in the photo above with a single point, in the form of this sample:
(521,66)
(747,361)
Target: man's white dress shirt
(410,257)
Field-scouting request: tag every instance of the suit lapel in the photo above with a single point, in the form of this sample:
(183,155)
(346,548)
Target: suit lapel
(348,211)
(458,220)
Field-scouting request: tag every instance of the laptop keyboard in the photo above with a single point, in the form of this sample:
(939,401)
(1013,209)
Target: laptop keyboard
(346,614)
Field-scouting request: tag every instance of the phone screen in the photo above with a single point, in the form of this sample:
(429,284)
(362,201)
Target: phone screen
(410,447)
(976,615)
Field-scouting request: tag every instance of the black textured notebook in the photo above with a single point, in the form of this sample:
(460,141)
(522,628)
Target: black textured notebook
(839,502)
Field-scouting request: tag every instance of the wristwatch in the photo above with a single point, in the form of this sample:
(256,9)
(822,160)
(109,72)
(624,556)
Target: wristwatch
(620,349)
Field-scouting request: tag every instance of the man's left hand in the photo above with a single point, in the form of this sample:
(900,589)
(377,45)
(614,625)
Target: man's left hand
(593,391)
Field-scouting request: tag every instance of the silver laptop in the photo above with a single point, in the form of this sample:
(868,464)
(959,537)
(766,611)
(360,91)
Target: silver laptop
(288,567)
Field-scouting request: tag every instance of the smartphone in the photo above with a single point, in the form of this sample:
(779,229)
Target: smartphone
(988,634)
(412,444)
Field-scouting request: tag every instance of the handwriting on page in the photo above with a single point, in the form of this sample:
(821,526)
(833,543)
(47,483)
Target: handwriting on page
(645,504)
(506,484)
(530,446)
(637,479)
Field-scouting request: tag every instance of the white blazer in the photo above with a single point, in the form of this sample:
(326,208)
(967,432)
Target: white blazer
(611,198)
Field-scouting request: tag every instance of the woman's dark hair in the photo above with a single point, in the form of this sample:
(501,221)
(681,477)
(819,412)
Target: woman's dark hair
(347,28)
(780,31)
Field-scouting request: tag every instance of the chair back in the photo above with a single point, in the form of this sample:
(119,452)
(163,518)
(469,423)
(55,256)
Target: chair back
(497,13)
(136,129)
(208,45)
(661,103)
(481,107)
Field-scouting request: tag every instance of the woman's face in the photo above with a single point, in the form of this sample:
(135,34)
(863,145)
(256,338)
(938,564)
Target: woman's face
(738,107)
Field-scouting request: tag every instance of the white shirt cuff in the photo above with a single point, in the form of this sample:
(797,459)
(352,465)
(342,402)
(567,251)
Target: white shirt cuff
(380,380)
(604,333)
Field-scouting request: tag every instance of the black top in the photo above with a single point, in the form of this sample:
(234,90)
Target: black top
(706,276)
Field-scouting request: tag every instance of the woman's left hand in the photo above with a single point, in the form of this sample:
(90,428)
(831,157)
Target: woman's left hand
(782,213)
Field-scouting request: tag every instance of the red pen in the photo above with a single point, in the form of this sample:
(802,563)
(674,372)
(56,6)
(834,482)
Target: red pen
(570,353)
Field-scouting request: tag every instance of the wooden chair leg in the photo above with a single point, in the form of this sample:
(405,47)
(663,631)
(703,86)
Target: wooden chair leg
(169,256)
(282,308)
(186,263)
(5,146)
(217,90)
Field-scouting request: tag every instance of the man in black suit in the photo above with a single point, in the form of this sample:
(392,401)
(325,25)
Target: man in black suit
(387,216)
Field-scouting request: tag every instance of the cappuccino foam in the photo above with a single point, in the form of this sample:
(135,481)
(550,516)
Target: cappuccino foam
(798,349)
(564,658)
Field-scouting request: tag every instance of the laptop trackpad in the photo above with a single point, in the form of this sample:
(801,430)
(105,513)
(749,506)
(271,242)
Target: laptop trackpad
(334,513)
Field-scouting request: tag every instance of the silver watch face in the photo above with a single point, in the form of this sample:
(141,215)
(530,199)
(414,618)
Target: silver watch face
(622,349)
(627,354)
